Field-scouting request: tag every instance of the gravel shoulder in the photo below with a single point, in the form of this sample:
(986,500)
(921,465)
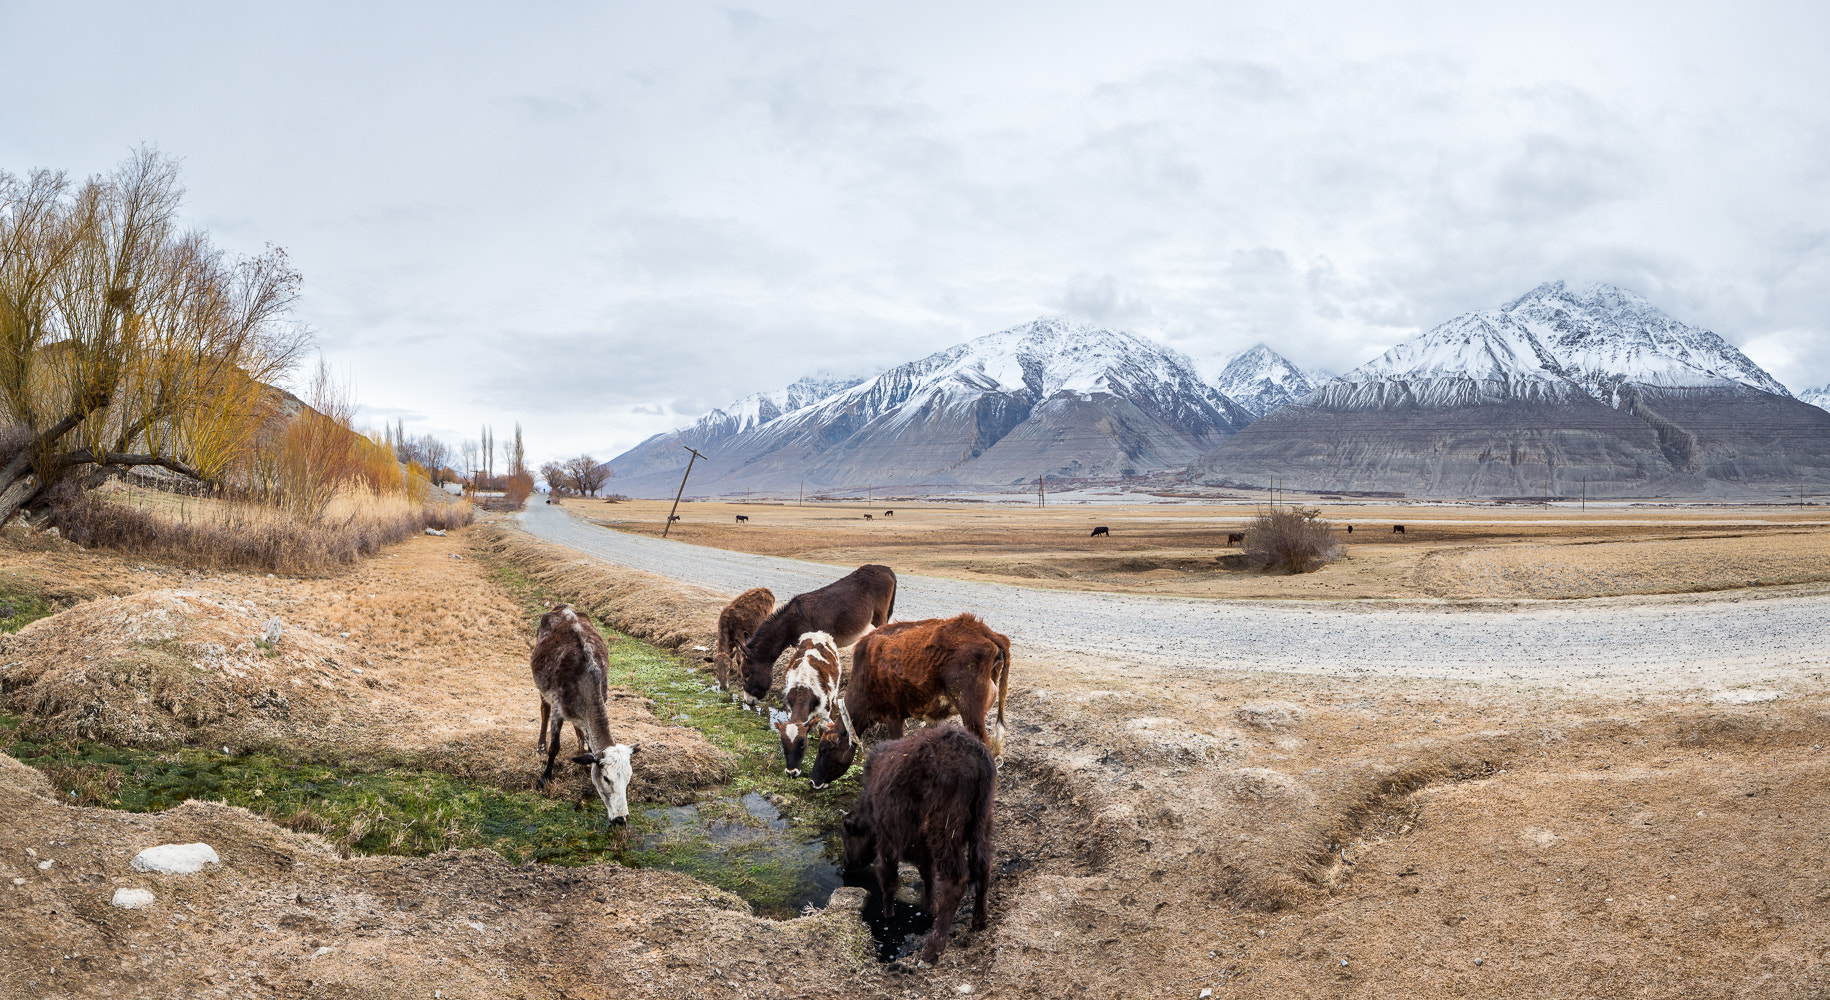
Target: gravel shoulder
(1757,645)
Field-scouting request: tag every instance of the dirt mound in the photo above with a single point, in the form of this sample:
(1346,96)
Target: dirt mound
(169,667)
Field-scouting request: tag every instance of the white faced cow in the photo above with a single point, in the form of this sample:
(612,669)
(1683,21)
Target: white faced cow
(568,666)
(809,689)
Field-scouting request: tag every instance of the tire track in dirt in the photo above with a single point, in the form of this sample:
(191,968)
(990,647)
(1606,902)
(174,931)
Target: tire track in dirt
(1641,645)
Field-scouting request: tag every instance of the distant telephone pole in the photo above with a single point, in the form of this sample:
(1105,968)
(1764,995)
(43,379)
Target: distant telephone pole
(1041,493)
(669,526)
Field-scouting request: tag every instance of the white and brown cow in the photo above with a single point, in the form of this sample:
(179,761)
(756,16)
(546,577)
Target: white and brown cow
(809,690)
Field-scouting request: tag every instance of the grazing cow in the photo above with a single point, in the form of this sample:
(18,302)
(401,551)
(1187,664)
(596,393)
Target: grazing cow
(1101,530)
(1350,529)
(743,519)
(1235,538)
(1397,529)
(867,517)
(923,670)
(673,517)
(889,513)
(568,666)
(736,623)
(927,800)
(809,690)
(844,609)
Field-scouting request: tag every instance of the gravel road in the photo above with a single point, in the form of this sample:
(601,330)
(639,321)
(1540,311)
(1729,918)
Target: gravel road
(1646,645)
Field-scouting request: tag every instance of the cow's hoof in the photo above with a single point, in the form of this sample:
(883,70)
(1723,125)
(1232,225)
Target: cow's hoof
(619,821)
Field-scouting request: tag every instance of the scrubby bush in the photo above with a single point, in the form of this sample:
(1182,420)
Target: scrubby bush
(1290,540)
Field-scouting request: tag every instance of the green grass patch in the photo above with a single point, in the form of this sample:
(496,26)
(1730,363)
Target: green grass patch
(19,608)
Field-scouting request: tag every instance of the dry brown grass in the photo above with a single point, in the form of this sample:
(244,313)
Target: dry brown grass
(1181,549)
(226,534)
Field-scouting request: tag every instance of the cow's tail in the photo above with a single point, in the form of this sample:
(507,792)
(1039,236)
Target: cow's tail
(997,732)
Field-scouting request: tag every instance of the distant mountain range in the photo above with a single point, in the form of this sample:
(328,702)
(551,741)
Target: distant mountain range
(1054,397)
(1562,385)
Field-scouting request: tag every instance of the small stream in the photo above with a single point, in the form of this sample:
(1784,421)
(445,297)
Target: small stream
(800,872)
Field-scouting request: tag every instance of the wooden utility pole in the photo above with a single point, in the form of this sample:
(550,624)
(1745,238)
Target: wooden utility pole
(1585,493)
(669,526)
(1041,493)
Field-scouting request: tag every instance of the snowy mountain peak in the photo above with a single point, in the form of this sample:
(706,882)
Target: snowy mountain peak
(1558,342)
(1259,379)
(1818,397)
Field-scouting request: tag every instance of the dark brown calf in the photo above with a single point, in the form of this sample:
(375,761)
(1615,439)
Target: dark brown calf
(867,517)
(1235,538)
(927,800)
(844,609)
(736,623)
(810,689)
(568,667)
(928,670)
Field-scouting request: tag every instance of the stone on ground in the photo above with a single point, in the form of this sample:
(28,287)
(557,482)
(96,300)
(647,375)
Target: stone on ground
(175,859)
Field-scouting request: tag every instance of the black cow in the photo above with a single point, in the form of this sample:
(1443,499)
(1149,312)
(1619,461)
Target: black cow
(743,519)
(889,513)
(1397,529)
(927,799)
(867,517)
(674,517)
(1350,529)
(1101,530)
(1235,538)
(844,609)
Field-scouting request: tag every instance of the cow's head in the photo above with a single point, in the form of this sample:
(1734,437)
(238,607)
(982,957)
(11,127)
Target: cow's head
(838,746)
(562,616)
(859,833)
(758,674)
(794,744)
(610,774)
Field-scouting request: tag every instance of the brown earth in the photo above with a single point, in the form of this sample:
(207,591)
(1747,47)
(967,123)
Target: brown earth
(1160,831)
(1454,551)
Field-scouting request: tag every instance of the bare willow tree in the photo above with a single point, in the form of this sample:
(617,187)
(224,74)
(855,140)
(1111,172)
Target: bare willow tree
(586,474)
(125,340)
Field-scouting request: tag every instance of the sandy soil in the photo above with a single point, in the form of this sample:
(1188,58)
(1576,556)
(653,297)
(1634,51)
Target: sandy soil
(1162,829)
(1456,551)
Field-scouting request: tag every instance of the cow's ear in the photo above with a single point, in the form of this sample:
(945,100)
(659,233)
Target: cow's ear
(584,758)
(634,748)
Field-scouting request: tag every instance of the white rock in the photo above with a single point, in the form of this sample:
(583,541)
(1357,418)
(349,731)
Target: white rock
(175,859)
(19,881)
(274,628)
(132,899)
(45,865)
(435,532)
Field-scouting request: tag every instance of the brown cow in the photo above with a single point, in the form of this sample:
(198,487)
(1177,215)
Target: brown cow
(568,665)
(927,799)
(1235,538)
(736,623)
(844,609)
(922,670)
(809,690)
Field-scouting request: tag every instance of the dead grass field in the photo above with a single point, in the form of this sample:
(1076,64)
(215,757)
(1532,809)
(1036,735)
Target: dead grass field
(1447,551)
(1160,831)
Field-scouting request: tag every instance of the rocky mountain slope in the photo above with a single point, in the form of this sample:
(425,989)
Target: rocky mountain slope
(1052,397)
(1259,379)
(1562,385)
(1818,397)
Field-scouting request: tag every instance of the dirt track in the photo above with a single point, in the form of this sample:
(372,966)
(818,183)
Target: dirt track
(1758,643)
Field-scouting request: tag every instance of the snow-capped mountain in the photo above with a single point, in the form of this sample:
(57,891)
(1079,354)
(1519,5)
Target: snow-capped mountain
(1052,397)
(1259,379)
(1561,386)
(1818,397)
(1552,344)
(667,452)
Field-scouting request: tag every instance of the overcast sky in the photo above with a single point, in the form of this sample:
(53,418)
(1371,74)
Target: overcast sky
(603,220)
